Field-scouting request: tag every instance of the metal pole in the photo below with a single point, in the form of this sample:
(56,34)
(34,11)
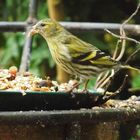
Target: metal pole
(88,26)
(12,26)
(25,60)
(78,26)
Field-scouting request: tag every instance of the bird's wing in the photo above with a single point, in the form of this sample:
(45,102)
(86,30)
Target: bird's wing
(85,53)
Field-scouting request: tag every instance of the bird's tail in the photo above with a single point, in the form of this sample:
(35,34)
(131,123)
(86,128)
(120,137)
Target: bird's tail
(130,68)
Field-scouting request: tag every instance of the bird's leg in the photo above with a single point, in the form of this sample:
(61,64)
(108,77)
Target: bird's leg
(79,83)
(85,86)
(74,86)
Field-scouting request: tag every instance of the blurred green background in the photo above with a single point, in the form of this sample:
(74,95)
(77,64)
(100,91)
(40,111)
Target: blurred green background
(75,10)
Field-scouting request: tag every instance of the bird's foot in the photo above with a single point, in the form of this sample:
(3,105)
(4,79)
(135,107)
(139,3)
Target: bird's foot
(72,88)
(85,91)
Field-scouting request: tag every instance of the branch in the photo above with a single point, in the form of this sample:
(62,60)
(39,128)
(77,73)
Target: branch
(106,98)
(133,54)
(116,49)
(120,37)
(135,12)
(123,36)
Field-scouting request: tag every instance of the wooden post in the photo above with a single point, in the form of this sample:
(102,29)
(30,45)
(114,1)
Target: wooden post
(56,12)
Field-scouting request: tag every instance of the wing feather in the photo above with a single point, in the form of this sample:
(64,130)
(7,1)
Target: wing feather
(85,53)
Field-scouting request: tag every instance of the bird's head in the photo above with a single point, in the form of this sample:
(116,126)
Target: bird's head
(46,28)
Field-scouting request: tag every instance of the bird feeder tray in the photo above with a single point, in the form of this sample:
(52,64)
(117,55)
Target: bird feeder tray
(17,101)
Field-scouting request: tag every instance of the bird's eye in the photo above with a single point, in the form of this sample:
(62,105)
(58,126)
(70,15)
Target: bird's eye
(42,24)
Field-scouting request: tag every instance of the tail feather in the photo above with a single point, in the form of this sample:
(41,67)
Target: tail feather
(130,68)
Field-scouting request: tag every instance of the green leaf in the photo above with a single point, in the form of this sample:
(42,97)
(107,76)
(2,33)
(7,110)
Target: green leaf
(136,81)
(138,132)
(11,52)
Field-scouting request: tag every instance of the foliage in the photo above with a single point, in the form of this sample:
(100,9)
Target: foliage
(136,133)
(12,52)
(14,42)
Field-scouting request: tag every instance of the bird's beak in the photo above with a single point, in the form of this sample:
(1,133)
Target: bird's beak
(33,31)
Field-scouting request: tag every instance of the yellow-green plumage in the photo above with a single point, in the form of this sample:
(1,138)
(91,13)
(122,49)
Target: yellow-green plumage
(75,56)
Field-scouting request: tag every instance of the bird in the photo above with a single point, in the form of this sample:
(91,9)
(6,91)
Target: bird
(73,55)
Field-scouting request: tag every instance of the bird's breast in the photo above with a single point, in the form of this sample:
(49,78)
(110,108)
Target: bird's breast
(59,53)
